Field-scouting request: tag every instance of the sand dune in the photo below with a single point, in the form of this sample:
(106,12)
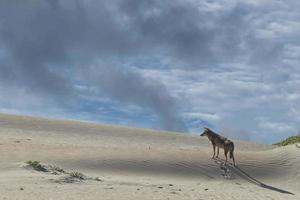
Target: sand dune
(137,164)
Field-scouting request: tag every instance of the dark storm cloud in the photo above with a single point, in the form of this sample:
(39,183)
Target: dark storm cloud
(40,32)
(42,42)
(131,87)
(39,38)
(195,38)
(176,27)
(27,34)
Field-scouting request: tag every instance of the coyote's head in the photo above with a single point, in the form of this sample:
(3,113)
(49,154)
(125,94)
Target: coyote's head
(205,132)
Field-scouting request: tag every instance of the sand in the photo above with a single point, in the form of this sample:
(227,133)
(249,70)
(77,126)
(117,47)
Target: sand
(133,163)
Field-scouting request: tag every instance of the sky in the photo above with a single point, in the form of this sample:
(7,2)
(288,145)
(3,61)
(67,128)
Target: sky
(176,65)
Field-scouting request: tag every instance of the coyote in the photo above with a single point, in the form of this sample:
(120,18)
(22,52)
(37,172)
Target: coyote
(220,142)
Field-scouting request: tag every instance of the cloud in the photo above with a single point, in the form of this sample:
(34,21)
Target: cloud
(205,116)
(43,40)
(132,88)
(180,60)
(233,100)
(275,126)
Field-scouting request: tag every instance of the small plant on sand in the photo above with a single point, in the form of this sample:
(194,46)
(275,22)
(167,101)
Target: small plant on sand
(36,165)
(70,177)
(77,175)
(289,140)
(57,169)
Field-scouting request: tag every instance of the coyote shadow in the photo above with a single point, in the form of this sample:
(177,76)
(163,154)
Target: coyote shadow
(249,178)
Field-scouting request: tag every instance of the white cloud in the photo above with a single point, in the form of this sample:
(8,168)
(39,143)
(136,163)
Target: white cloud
(238,95)
(275,127)
(205,116)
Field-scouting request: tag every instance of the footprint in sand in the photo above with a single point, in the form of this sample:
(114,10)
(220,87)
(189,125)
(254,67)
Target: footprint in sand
(173,192)
(226,172)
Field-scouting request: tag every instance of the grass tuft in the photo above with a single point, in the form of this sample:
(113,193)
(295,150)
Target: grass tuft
(77,175)
(36,165)
(57,169)
(290,140)
(70,177)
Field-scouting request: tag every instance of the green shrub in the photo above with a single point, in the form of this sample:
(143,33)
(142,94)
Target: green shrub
(77,175)
(290,140)
(37,165)
(57,169)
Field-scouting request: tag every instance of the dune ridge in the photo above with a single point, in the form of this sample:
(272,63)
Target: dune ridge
(137,163)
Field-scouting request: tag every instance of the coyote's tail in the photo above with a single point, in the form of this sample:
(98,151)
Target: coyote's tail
(231,150)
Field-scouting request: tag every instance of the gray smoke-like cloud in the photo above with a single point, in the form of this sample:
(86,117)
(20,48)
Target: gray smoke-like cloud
(131,87)
(41,38)
(42,43)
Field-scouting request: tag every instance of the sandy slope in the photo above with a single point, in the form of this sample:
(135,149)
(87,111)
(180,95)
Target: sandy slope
(136,164)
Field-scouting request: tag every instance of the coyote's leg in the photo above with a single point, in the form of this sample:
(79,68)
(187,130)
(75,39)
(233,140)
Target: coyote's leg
(218,148)
(233,159)
(225,152)
(214,147)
